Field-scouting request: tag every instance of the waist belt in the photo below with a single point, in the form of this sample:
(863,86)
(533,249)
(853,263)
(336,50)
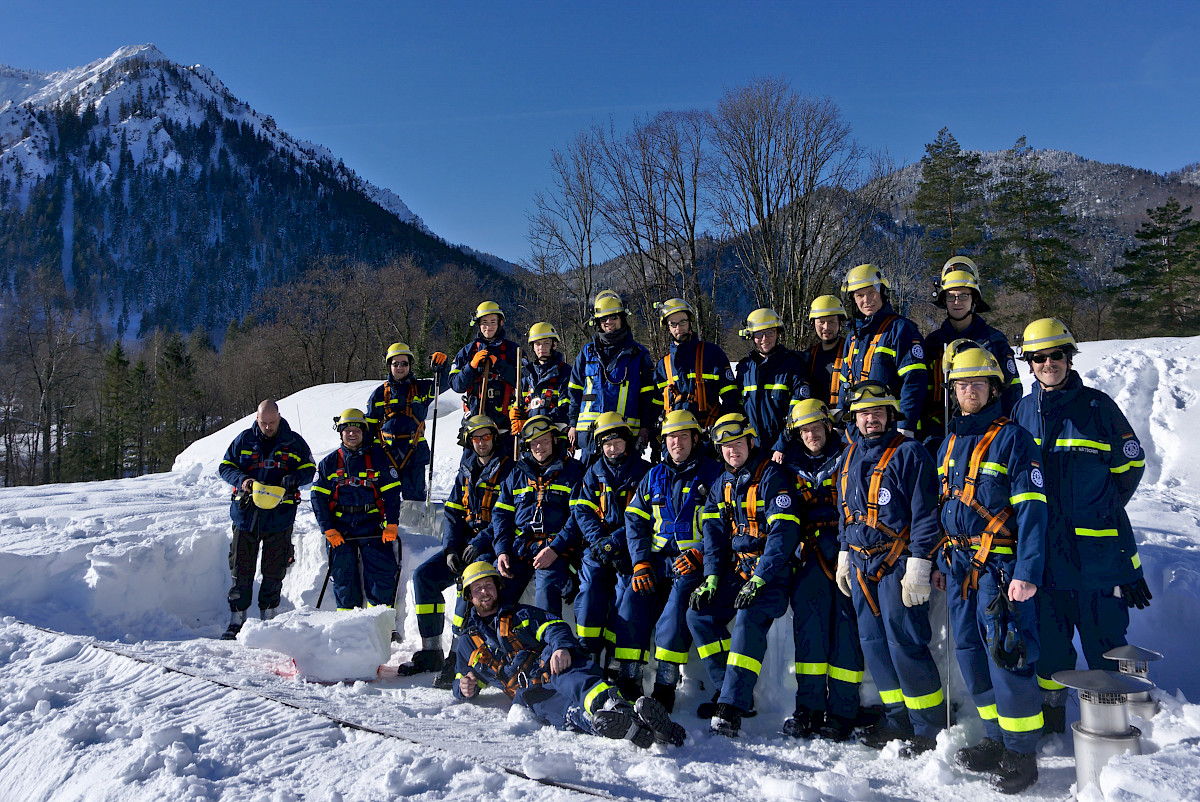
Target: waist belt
(339,509)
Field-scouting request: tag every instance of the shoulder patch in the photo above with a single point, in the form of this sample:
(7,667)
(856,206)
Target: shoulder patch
(394,474)
(1012,366)
(783,501)
(1131,448)
(729,374)
(1035,476)
(885,496)
(805,392)
(918,352)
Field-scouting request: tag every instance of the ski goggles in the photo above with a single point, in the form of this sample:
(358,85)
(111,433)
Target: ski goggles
(870,394)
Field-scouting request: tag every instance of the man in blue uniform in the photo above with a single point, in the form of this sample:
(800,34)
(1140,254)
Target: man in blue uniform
(829,660)
(266,464)
(356,499)
(531,655)
(751,529)
(485,371)
(529,520)
(465,536)
(599,509)
(994,519)
(882,347)
(825,357)
(662,529)
(960,294)
(771,377)
(613,373)
(693,374)
(1093,462)
(396,411)
(887,490)
(544,379)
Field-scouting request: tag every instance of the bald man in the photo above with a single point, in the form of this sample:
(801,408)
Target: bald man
(274,456)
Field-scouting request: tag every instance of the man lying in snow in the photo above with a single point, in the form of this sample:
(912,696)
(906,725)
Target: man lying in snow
(533,657)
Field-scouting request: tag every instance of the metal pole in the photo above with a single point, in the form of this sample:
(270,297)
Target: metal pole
(946,359)
(517,402)
(437,392)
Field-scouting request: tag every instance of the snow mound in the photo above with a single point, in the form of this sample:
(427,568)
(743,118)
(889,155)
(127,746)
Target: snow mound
(327,646)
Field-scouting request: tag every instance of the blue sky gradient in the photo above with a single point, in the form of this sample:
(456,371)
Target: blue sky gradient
(455,106)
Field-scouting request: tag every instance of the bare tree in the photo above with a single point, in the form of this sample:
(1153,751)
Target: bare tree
(794,191)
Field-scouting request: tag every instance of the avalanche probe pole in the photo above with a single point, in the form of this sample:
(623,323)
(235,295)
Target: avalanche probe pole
(437,392)
(517,401)
(946,359)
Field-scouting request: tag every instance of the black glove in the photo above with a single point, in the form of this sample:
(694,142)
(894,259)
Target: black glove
(703,596)
(454,562)
(291,483)
(570,588)
(604,551)
(1136,594)
(469,555)
(748,593)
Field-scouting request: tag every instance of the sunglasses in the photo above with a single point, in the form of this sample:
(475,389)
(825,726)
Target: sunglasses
(606,318)
(482,438)
(1056,356)
(400,363)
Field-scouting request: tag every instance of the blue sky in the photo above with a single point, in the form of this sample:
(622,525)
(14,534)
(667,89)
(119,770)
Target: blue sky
(455,106)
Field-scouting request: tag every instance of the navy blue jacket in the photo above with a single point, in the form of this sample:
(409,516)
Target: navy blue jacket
(535,636)
(502,378)
(1009,475)
(664,515)
(516,511)
(778,514)
(908,497)
(396,412)
(771,385)
(816,480)
(468,514)
(347,493)
(720,387)
(1092,462)
(600,500)
(267,460)
(624,383)
(544,389)
(992,340)
(897,361)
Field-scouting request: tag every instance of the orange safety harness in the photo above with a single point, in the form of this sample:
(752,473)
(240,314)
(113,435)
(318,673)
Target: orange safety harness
(481,383)
(674,398)
(623,498)
(479,515)
(517,677)
(343,478)
(896,542)
(996,533)
(536,538)
(812,499)
(257,461)
(835,380)
(868,360)
(747,561)
(389,413)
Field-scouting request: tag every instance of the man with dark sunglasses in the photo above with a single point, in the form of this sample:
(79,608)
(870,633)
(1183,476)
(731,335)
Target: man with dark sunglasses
(1092,462)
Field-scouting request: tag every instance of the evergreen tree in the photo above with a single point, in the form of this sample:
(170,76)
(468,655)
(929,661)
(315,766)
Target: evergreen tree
(1033,234)
(116,408)
(175,397)
(949,201)
(1163,272)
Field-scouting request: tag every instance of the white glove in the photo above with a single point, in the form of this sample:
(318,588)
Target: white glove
(914,587)
(908,433)
(843,572)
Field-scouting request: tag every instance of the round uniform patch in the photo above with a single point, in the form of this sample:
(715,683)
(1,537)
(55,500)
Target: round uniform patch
(729,374)
(918,352)
(1035,476)
(536,403)
(804,391)
(783,501)
(1012,366)
(394,474)
(885,496)
(1131,448)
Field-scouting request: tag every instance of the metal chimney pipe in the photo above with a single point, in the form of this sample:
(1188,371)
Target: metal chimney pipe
(1103,730)
(1135,661)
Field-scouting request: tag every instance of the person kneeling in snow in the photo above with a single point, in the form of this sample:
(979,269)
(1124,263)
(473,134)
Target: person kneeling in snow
(533,657)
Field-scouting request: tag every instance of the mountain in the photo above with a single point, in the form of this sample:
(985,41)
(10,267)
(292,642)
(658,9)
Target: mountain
(165,200)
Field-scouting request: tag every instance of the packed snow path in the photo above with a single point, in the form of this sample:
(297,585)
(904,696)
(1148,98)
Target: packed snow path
(139,565)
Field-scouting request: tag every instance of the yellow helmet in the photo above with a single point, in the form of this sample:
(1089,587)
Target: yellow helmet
(477,423)
(543,331)
(487,308)
(350,417)
(960,263)
(680,420)
(608,422)
(871,394)
(826,305)
(535,427)
(959,279)
(398,349)
(266,497)
(733,426)
(761,320)
(865,276)
(671,306)
(480,569)
(1047,332)
(607,303)
(810,410)
(965,359)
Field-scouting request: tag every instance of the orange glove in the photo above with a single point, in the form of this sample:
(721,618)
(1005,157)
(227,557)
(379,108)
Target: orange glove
(480,357)
(334,537)
(389,533)
(643,579)
(516,420)
(437,359)
(690,560)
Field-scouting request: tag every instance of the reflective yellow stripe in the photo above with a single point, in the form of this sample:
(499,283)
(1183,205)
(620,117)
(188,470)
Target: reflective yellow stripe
(426,609)
(709,649)
(680,658)
(636,511)
(563,488)
(845,675)
(458,620)
(924,702)
(742,661)
(625,653)
(994,466)
(388,487)
(1137,463)
(1136,560)
(319,489)
(879,349)
(1023,724)
(1096,532)
(987,713)
(1048,684)
(610,636)
(891,697)
(710,516)
(454,506)
(1017,499)
(586,503)
(908,368)
(520,491)
(500,505)
(587,632)
(779,516)
(542,628)
(750,388)
(812,669)
(597,689)
(775,386)
(1072,442)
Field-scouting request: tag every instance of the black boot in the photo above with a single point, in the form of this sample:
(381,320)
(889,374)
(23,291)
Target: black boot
(836,728)
(618,720)
(983,756)
(654,716)
(880,736)
(708,709)
(916,745)
(423,661)
(236,619)
(445,680)
(727,721)
(803,723)
(1015,773)
(1054,719)
(665,696)
(630,687)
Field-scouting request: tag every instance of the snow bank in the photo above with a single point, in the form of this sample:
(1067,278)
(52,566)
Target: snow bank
(327,646)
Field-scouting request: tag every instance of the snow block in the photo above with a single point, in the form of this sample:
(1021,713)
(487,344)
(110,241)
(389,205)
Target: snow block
(327,646)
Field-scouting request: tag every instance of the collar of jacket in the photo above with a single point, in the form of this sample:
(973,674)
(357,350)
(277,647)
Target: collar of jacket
(966,425)
(1048,399)
(760,358)
(873,443)
(756,456)
(801,461)
(604,339)
(532,467)
(284,429)
(977,330)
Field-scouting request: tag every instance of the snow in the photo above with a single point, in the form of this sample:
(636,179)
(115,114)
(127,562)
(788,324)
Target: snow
(127,693)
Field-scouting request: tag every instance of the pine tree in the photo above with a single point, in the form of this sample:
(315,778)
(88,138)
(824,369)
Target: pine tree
(949,201)
(1033,234)
(1163,273)
(116,410)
